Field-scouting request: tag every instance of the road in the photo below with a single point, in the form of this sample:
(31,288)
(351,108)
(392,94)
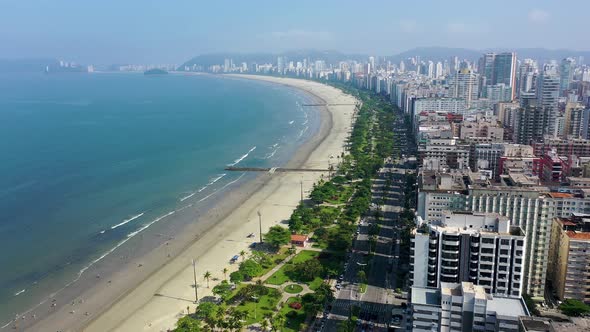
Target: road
(374,306)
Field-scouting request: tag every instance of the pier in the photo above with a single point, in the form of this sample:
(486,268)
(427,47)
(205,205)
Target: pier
(311,105)
(274,169)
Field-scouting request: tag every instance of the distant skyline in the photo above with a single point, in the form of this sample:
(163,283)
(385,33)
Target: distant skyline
(150,31)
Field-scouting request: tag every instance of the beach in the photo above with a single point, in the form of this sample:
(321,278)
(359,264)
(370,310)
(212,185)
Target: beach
(153,291)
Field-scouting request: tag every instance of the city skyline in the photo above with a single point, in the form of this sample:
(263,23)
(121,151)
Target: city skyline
(163,33)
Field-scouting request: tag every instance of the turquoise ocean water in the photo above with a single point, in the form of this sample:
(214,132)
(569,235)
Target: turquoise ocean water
(88,161)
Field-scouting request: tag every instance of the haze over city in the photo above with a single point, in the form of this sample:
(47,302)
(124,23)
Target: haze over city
(109,31)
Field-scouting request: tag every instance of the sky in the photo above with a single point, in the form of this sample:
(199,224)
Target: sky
(172,31)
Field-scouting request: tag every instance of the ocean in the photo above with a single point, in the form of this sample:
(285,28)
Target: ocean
(90,161)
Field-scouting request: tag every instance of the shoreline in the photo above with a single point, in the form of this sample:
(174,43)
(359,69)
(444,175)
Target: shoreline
(130,303)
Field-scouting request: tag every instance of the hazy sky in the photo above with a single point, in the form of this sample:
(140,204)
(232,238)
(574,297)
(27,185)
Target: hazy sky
(169,31)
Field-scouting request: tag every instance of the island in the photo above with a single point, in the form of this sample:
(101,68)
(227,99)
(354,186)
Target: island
(155,71)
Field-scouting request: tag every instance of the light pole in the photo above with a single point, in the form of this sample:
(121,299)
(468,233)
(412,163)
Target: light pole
(195,277)
(301,191)
(260,224)
(255,305)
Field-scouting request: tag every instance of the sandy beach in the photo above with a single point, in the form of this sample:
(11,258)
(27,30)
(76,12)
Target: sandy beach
(154,291)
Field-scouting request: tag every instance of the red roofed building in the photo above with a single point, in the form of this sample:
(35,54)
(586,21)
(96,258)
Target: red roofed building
(299,240)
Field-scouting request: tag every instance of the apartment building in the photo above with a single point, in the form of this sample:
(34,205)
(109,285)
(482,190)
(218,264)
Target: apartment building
(569,257)
(464,307)
(439,154)
(482,248)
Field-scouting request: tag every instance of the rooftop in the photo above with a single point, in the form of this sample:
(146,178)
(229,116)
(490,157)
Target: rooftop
(425,296)
(504,306)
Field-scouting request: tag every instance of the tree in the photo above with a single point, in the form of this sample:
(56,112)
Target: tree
(277,236)
(243,255)
(236,277)
(250,268)
(206,276)
(362,276)
(308,270)
(208,312)
(225,270)
(223,290)
(573,307)
(264,324)
(188,324)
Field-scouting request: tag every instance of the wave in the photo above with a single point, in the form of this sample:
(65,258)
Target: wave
(291,122)
(187,197)
(232,182)
(303,131)
(144,227)
(19,292)
(211,182)
(270,155)
(242,157)
(127,220)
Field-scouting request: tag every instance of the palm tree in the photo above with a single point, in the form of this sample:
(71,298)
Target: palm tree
(206,276)
(243,255)
(264,324)
(225,271)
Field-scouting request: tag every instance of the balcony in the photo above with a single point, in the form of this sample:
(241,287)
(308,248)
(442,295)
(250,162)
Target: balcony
(451,242)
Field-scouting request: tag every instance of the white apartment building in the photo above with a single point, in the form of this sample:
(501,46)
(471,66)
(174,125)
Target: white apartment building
(531,207)
(482,248)
(443,154)
(458,307)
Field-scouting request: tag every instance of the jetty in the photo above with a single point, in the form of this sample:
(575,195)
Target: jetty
(274,169)
(325,104)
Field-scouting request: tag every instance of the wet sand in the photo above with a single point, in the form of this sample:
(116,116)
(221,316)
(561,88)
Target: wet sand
(150,293)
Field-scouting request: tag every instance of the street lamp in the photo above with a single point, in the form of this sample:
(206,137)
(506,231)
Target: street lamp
(255,305)
(195,277)
(260,224)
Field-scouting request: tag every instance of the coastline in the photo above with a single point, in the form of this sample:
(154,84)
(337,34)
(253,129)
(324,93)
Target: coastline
(157,290)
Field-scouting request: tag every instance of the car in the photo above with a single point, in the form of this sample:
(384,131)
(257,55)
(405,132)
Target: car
(341,277)
(338,286)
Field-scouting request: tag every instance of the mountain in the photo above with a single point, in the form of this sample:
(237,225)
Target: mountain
(435,54)
(206,60)
(425,53)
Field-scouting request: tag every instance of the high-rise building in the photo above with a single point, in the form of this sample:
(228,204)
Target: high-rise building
(372,63)
(482,248)
(464,85)
(498,68)
(548,97)
(439,70)
(527,77)
(569,261)
(530,124)
(457,307)
(431,69)
(566,75)
(280,64)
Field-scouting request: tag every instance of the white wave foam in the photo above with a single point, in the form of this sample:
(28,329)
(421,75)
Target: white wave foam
(127,220)
(219,177)
(19,292)
(242,157)
(303,131)
(187,197)
(84,269)
(270,155)
(132,234)
(184,207)
(232,182)
(291,122)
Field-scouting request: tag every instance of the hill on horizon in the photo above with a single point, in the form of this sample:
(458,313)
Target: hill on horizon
(434,53)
